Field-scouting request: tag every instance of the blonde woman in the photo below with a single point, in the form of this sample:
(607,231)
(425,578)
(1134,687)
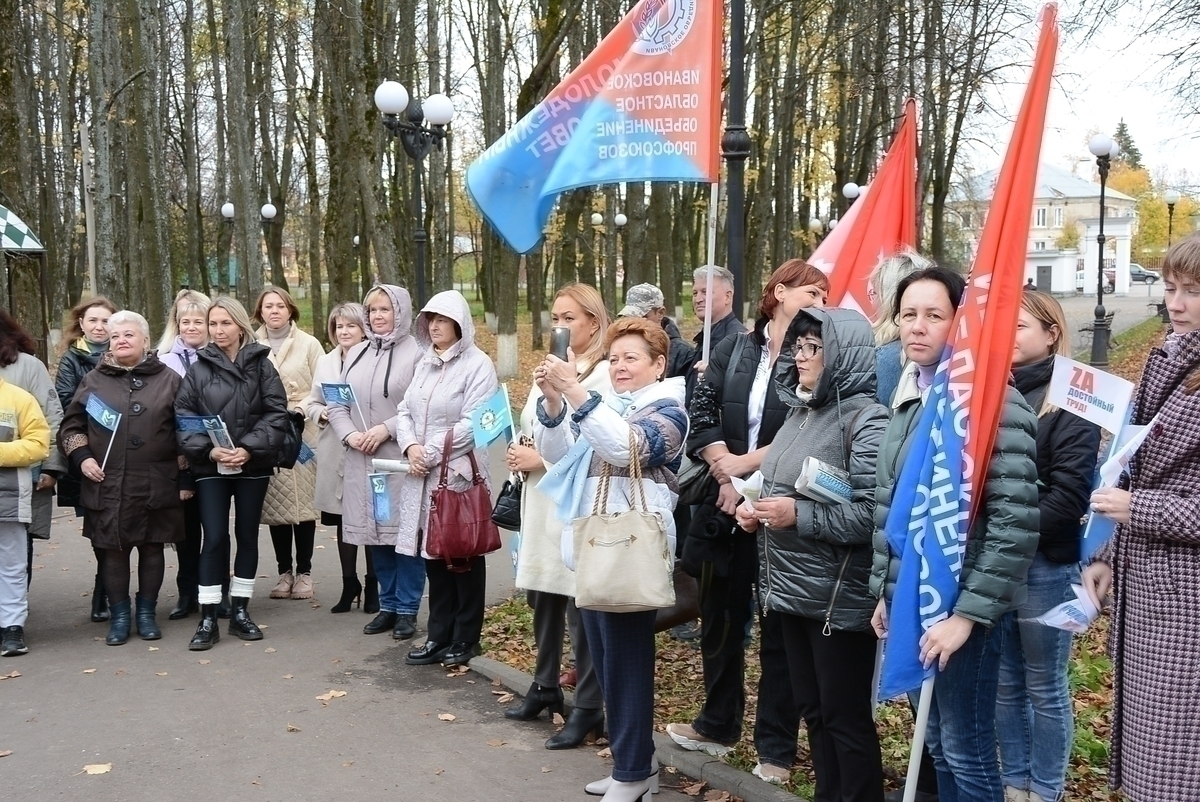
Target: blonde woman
(172,340)
(540,571)
(232,378)
(288,509)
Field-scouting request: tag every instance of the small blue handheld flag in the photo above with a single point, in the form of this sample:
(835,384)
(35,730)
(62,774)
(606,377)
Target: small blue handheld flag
(102,413)
(492,419)
(341,394)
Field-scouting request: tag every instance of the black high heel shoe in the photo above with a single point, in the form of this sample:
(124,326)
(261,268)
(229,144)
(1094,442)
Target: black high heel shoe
(536,700)
(580,724)
(351,595)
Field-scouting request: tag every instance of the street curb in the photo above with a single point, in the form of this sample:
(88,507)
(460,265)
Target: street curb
(698,765)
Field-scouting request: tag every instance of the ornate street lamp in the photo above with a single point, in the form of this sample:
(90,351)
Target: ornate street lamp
(1105,150)
(1171,197)
(418,139)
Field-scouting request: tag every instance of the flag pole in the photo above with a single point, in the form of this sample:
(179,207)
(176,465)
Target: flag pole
(111,437)
(713,196)
(875,676)
(922,723)
(361,416)
(512,424)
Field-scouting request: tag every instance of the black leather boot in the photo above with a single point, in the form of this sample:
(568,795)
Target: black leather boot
(351,594)
(184,607)
(118,626)
(99,602)
(371,597)
(207,633)
(224,610)
(536,700)
(380,623)
(146,625)
(580,723)
(240,623)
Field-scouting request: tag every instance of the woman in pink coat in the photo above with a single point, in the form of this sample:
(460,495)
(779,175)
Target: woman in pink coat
(453,378)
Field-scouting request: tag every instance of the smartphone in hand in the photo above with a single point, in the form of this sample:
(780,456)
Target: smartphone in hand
(560,341)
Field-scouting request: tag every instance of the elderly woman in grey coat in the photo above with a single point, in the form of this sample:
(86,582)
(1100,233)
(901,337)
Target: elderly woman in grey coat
(379,371)
(816,556)
(453,378)
(346,328)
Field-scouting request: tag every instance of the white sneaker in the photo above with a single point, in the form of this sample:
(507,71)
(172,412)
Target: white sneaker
(775,775)
(689,739)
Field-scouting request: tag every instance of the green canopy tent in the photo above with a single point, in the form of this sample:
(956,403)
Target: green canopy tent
(25,286)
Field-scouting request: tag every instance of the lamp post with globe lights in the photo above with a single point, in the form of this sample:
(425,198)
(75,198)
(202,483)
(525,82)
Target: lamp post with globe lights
(227,212)
(851,191)
(422,128)
(1105,150)
(1172,197)
(816,227)
(267,216)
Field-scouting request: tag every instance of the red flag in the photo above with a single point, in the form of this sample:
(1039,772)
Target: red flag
(986,324)
(881,222)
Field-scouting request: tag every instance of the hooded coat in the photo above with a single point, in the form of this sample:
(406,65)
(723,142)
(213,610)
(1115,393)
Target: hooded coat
(247,394)
(820,567)
(379,370)
(291,492)
(138,501)
(445,390)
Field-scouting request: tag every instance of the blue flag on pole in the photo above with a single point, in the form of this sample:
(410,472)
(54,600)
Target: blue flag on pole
(341,394)
(102,413)
(492,419)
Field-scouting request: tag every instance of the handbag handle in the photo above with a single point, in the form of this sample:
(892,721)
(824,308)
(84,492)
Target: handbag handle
(446,448)
(600,502)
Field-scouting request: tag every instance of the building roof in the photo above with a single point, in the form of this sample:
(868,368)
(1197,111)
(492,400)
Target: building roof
(1053,183)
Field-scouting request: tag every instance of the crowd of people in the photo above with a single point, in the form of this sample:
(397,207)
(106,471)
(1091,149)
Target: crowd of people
(609,427)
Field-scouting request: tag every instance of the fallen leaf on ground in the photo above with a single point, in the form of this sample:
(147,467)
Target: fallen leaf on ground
(347,764)
(694,790)
(438,771)
(13,674)
(717,796)
(97,768)
(205,662)
(66,569)
(496,683)
(447,716)
(605,752)
(504,698)
(318,547)
(331,694)
(545,769)
(5,752)
(269,650)
(292,728)
(287,676)
(255,782)
(154,648)
(89,671)
(496,742)
(557,719)
(160,673)
(119,672)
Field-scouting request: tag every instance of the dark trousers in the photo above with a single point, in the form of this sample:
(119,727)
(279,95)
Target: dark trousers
(456,601)
(214,494)
(831,680)
(777,722)
(726,607)
(303,534)
(549,612)
(188,552)
(622,647)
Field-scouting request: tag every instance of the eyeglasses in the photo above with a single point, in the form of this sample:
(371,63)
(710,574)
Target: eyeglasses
(805,350)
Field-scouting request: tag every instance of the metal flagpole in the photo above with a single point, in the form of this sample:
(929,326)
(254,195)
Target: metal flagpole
(922,723)
(111,437)
(713,196)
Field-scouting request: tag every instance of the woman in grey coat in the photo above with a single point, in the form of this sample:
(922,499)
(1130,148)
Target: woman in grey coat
(815,556)
(379,372)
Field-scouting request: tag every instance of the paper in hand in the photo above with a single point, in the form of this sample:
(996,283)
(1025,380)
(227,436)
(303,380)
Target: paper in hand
(1073,616)
(749,488)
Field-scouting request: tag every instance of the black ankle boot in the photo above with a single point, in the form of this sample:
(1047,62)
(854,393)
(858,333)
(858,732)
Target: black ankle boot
(580,723)
(240,623)
(351,594)
(118,627)
(380,623)
(371,597)
(208,632)
(147,626)
(536,700)
(185,606)
(99,602)
(224,610)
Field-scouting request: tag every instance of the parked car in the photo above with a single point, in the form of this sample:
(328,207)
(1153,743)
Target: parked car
(1110,281)
(1139,273)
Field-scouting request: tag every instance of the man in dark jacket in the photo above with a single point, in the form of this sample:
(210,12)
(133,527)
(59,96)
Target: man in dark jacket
(724,320)
(646,300)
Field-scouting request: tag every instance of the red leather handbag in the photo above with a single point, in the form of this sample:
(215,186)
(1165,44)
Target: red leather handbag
(460,524)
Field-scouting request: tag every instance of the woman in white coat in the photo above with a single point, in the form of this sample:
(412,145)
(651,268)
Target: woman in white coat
(453,379)
(289,510)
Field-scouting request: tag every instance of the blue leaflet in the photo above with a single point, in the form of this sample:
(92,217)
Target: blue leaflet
(381,500)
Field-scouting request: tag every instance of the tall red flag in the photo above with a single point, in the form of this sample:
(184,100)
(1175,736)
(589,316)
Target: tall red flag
(881,222)
(987,320)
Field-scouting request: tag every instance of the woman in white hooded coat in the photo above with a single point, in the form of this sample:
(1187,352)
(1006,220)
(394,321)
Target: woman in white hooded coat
(453,378)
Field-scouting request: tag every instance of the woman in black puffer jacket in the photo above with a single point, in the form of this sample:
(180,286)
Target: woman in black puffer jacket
(232,378)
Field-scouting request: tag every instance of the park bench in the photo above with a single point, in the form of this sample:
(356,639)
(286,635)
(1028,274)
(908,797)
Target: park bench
(1088,329)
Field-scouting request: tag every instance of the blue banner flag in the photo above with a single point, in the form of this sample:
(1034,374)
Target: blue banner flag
(492,419)
(307,455)
(198,423)
(341,394)
(381,499)
(102,413)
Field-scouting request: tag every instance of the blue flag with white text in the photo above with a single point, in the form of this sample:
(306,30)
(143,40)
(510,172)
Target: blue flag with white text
(102,413)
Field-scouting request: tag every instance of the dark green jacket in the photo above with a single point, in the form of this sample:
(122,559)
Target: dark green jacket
(1005,536)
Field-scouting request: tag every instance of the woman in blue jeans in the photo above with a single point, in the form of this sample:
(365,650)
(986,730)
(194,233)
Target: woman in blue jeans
(1033,708)
(965,646)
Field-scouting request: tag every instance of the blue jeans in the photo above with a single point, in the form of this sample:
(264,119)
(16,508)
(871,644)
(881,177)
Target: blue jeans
(962,720)
(401,580)
(1033,709)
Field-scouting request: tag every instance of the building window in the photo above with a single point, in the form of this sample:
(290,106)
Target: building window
(1039,217)
(1039,245)
(1058,217)
(966,219)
